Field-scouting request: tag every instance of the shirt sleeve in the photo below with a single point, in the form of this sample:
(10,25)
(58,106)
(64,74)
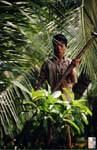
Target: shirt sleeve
(42,76)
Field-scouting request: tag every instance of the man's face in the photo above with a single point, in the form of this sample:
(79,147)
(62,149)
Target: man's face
(60,49)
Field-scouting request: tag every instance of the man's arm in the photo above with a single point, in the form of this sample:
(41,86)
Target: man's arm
(41,78)
(74,75)
(72,78)
(74,71)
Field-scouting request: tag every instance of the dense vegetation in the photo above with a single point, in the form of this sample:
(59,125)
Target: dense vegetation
(26,30)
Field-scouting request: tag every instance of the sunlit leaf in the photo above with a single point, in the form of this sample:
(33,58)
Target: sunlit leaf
(18,84)
(56,94)
(73,124)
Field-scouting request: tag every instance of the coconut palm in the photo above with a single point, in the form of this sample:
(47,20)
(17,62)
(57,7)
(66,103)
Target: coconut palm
(26,32)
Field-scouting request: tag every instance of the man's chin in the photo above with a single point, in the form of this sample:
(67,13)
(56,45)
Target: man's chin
(60,56)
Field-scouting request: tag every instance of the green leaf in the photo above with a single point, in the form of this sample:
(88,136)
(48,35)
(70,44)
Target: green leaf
(56,94)
(69,93)
(23,88)
(84,117)
(73,124)
(79,103)
(49,88)
(28,102)
(38,94)
(51,99)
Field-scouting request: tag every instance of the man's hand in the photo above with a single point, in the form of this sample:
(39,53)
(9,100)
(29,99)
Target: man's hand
(76,62)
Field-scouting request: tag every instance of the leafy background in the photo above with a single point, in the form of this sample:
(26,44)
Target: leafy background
(26,31)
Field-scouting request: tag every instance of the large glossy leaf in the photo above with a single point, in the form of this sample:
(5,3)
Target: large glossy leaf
(73,124)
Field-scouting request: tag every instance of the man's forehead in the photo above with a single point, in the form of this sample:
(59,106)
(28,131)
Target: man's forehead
(58,42)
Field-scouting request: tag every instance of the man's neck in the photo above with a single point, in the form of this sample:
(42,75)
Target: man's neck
(58,59)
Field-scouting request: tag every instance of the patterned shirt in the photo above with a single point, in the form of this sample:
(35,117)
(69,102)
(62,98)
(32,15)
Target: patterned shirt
(52,71)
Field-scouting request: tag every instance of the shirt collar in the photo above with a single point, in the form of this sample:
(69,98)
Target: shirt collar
(56,59)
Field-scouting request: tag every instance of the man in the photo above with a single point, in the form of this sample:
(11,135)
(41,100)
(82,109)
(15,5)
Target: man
(53,69)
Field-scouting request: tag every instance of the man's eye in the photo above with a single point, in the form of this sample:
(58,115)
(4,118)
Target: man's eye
(62,46)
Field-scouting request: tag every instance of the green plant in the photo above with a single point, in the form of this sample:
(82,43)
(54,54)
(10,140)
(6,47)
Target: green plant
(54,112)
(23,26)
(92,101)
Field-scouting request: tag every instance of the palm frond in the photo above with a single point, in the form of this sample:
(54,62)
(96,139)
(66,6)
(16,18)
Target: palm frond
(26,32)
(11,102)
(89,23)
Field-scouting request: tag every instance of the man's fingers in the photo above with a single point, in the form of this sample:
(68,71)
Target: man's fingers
(76,62)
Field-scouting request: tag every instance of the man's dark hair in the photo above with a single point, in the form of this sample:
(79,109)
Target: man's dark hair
(61,38)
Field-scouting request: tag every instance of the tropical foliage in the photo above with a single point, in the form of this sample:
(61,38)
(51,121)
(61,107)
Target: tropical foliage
(50,116)
(26,31)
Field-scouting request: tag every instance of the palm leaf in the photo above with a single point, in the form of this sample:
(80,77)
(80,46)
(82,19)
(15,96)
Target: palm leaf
(11,101)
(89,24)
(26,41)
